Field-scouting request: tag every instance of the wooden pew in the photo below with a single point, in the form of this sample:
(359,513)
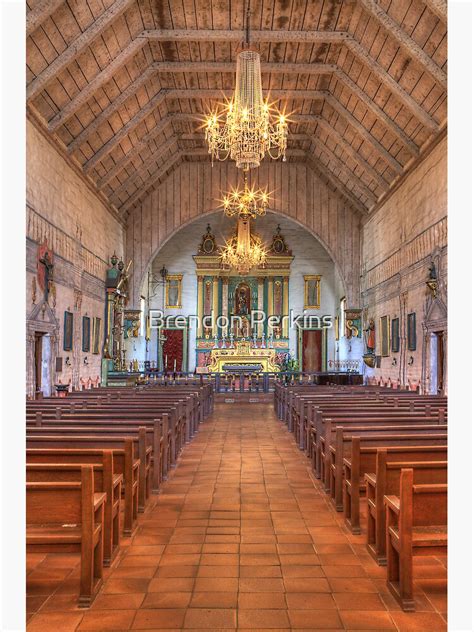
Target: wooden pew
(416,524)
(362,460)
(428,465)
(104,481)
(104,437)
(69,517)
(74,450)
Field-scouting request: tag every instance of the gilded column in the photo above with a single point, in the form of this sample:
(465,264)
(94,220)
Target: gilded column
(225,300)
(261,285)
(285,307)
(270,303)
(215,303)
(200,305)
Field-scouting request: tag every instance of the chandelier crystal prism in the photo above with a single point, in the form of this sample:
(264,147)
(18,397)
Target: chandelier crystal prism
(247,203)
(244,250)
(248,128)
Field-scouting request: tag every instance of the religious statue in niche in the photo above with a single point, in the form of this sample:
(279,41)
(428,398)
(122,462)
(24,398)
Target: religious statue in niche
(432,281)
(45,269)
(242,300)
(369,355)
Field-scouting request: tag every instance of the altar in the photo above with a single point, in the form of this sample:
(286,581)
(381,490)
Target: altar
(243,357)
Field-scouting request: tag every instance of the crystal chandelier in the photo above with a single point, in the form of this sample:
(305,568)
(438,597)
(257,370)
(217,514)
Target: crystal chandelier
(244,250)
(248,203)
(251,128)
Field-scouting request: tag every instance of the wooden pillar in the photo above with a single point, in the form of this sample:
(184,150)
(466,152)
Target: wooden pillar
(215,303)
(200,306)
(285,307)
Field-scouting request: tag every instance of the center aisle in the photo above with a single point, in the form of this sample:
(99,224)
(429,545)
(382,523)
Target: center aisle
(241,536)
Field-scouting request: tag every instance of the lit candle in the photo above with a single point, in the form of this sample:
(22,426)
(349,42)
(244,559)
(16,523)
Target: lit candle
(174,365)
(166,361)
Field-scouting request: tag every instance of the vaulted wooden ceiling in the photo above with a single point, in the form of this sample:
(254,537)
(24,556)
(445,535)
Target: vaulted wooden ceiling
(122,86)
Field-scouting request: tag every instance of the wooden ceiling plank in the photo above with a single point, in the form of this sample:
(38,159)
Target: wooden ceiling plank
(322,171)
(42,11)
(439,8)
(379,113)
(353,153)
(363,56)
(145,166)
(350,175)
(364,133)
(410,47)
(95,84)
(126,129)
(110,109)
(76,47)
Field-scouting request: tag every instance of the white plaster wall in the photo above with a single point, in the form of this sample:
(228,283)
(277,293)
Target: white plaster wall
(309,258)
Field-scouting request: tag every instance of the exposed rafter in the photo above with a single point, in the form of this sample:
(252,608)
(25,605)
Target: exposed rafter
(363,56)
(364,133)
(93,86)
(73,51)
(379,113)
(406,42)
(41,12)
(346,172)
(439,8)
(353,153)
(322,171)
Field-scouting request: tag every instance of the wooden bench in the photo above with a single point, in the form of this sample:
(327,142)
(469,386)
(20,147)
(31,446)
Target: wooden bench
(416,524)
(429,465)
(362,460)
(104,481)
(57,449)
(66,517)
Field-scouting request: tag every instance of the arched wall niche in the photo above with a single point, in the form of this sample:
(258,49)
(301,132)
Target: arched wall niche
(192,191)
(176,254)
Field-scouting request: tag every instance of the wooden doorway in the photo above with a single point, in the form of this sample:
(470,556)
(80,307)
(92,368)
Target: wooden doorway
(312,350)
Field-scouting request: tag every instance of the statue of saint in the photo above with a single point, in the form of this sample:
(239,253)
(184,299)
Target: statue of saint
(370,336)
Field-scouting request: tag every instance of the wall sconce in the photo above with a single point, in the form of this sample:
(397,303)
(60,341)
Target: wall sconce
(411,359)
(86,361)
(394,361)
(67,361)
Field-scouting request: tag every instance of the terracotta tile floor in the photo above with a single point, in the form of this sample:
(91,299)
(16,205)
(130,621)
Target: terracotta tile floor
(241,537)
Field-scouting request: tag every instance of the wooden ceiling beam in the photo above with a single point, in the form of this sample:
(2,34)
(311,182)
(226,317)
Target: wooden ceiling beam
(125,130)
(229,67)
(345,171)
(93,86)
(145,166)
(411,48)
(439,8)
(231,35)
(389,82)
(76,47)
(364,133)
(379,113)
(353,153)
(42,11)
(104,116)
(172,94)
(326,174)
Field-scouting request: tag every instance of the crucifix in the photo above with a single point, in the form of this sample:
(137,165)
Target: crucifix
(48,274)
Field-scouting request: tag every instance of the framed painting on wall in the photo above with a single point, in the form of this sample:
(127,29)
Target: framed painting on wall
(96,335)
(173,290)
(395,337)
(411,331)
(312,291)
(68,328)
(384,336)
(86,333)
